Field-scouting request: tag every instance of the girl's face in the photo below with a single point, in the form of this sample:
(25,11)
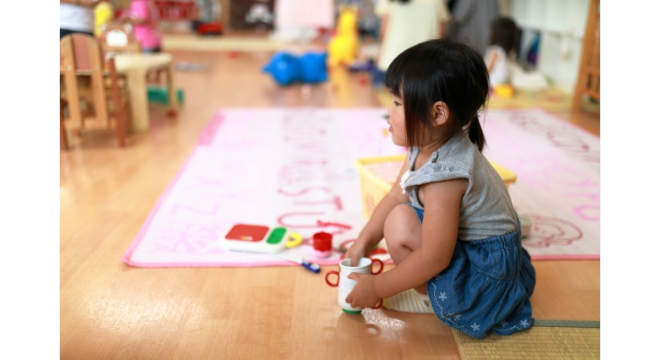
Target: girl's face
(397,121)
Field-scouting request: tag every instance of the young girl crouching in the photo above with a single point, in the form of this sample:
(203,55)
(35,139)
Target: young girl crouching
(448,221)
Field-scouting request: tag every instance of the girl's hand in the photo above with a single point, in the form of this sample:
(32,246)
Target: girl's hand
(364,293)
(358,250)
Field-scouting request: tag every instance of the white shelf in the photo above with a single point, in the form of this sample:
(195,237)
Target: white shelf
(556,16)
(561,24)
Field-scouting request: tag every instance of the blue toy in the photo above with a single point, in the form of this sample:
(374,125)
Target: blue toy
(287,68)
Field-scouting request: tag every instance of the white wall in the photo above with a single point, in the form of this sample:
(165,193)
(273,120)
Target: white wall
(561,24)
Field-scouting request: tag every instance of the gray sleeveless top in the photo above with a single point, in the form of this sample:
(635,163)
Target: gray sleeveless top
(486,209)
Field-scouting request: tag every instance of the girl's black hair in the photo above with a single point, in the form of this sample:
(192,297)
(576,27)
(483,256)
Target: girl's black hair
(440,70)
(401,1)
(503,32)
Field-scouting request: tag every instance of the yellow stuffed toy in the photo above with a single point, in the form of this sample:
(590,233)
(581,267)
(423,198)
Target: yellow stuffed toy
(103,13)
(343,47)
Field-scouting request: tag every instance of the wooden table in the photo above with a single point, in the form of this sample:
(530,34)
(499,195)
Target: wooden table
(135,68)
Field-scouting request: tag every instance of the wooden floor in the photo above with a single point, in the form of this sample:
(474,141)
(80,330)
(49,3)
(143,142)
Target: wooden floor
(112,311)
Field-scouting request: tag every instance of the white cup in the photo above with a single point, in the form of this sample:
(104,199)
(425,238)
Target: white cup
(346,307)
(346,285)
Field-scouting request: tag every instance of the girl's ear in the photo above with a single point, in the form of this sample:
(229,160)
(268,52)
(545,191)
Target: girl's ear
(440,113)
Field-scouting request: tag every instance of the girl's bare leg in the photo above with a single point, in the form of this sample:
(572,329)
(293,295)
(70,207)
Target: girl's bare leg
(403,234)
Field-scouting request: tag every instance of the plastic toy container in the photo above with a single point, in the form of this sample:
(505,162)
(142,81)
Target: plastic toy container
(256,239)
(377,174)
(503,91)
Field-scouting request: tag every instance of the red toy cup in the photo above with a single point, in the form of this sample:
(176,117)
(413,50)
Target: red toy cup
(322,242)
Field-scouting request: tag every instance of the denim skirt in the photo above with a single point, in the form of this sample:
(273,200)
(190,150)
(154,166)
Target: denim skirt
(486,287)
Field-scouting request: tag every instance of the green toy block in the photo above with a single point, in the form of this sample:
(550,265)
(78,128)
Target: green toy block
(158,94)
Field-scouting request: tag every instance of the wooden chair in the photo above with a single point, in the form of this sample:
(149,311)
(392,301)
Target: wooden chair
(92,82)
(588,82)
(117,37)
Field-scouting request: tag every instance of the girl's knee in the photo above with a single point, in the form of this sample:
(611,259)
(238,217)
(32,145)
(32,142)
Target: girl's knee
(402,226)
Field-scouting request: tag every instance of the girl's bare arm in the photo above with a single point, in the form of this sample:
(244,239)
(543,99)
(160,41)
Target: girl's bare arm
(491,61)
(383,27)
(439,236)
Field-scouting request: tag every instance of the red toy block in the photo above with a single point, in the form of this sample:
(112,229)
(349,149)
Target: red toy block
(322,241)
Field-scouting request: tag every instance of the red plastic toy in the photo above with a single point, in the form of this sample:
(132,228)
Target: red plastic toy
(175,10)
(209,28)
(182,10)
(322,244)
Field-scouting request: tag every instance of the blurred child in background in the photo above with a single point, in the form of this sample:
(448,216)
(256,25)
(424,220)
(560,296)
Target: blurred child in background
(76,16)
(501,45)
(405,23)
(471,22)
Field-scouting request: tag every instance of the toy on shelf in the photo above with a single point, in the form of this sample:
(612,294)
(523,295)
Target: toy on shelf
(180,10)
(143,15)
(121,13)
(103,13)
(117,37)
(212,28)
(208,12)
(343,47)
(260,239)
(287,69)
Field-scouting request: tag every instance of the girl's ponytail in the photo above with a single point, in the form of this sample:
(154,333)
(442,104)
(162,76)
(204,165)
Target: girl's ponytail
(476,134)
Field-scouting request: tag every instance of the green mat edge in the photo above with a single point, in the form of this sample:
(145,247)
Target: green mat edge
(567,323)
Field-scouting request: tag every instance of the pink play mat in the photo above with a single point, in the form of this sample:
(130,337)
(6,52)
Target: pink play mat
(294,167)
(558,186)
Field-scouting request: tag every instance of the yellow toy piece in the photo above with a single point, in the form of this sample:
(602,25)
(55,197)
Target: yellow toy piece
(503,91)
(343,47)
(103,12)
(295,239)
